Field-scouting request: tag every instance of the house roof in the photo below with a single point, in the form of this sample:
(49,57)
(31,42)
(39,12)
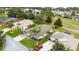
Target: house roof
(10,19)
(75,17)
(43,30)
(23,24)
(68,40)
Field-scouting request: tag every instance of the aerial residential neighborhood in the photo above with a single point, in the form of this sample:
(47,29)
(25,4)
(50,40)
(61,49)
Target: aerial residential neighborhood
(39,29)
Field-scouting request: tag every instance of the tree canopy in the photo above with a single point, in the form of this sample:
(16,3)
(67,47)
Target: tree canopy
(16,12)
(58,23)
(58,46)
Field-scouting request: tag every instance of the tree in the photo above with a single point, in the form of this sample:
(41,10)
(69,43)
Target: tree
(46,14)
(49,19)
(58,23)
(2,10)
(58,46)
(16,12)
(30,16)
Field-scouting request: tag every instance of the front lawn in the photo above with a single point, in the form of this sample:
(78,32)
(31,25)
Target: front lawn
(32,43)
(29,43)
(1,28)
(15,32)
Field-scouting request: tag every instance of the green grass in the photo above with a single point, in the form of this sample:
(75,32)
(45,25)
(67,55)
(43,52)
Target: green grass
(29,43)
(1,28)
(76,35)
(9,24)
(69,23)
(43,40)
(14,33)
(61,29)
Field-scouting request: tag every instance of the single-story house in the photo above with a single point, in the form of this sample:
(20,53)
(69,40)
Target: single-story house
(23,24)
(75,18)
(66,39)
(43,31)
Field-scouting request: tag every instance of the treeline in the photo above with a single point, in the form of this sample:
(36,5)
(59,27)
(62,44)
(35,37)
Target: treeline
(67,9)
(45,14)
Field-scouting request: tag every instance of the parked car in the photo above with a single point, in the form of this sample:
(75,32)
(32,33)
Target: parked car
(38,47)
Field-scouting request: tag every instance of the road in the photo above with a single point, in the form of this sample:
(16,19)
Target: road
(77,31)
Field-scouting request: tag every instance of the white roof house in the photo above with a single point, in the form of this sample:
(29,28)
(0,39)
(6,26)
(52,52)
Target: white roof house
(23,24)
(67,40)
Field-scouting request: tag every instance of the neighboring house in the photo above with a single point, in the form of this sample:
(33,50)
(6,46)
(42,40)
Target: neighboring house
(66,39)
(23,24)
(75,18)
(62,13)
(58,13)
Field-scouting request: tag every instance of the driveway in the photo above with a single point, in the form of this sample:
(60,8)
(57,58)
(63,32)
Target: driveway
(47,46)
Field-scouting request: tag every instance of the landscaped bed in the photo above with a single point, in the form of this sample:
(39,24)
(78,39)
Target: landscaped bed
(14,33)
